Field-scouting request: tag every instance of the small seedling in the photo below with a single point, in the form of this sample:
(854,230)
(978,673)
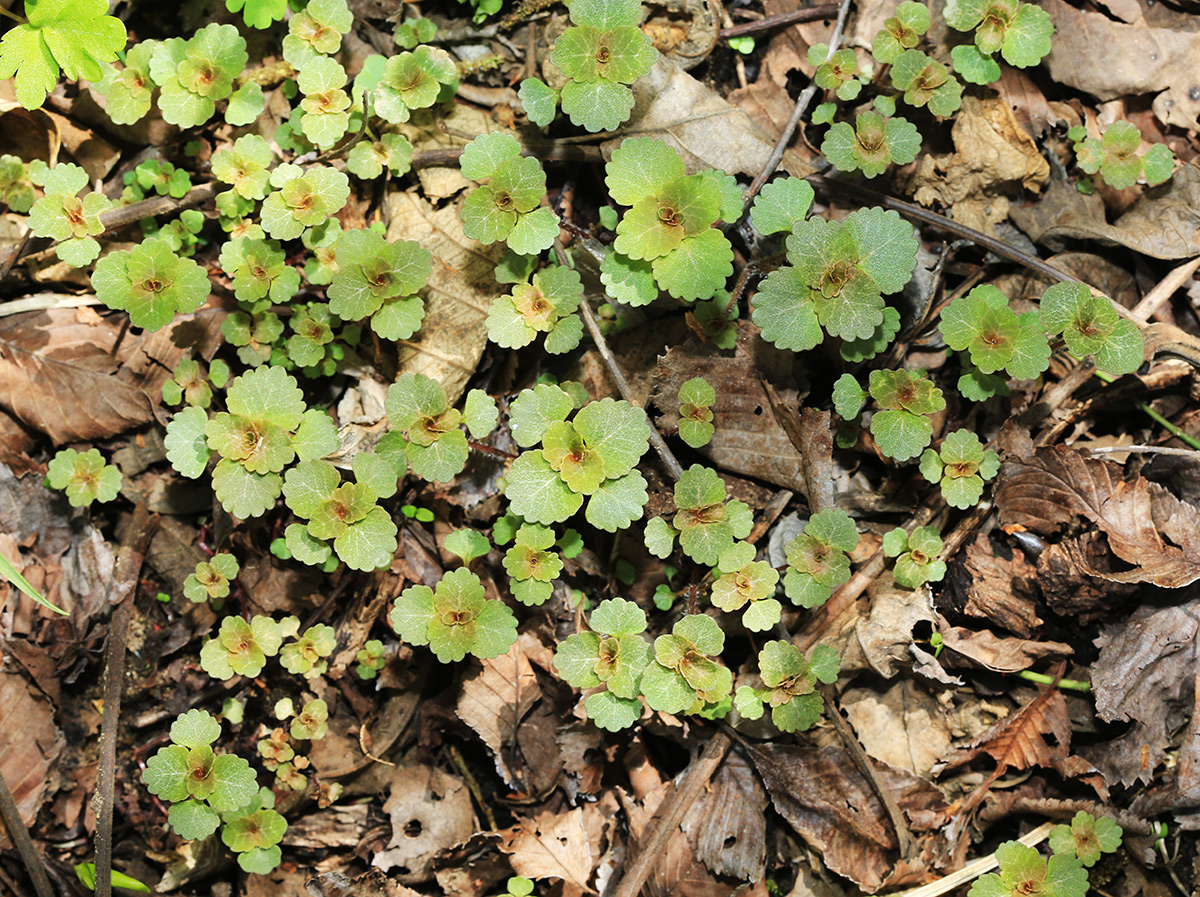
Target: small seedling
(614,655)
(818,559)
(371,659)
(917,556)
(791,685)
(683,676)
(84,476)
(696,397)
(455,619)
(211,581)
(960,467)
(1025,872)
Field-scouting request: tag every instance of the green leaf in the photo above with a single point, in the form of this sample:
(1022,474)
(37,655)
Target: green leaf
(1027,40)
(245,494)
(872,144)
(697,268)
(900,434)
(480,413)
(660,537)
(973,66)
(185,444)
(534,231)
(84,476)
(468,545)
(617,502)
(303,200)
(1158,164)
(534,410)
(76,35)
(782,311)
(848,397)
(194,728)
(369,543)
(612,713)
(486,153)
(780,205)
(597,105)
(192,820)
(539,101)
(606,15)
(833,527)
(536,492)
(627,280)
(616,431)
(165,774)
(641,166)
(244,165)
(372,270)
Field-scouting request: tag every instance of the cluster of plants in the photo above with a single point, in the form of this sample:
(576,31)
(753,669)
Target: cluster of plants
(310,293)
(1075,849)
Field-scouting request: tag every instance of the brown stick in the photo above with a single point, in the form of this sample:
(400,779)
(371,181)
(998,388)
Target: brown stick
(122,592)
(24,844)
(766,23)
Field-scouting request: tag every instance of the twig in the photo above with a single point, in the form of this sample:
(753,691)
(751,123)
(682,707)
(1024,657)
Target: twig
(674,468)
(669,815)
(904,837)
(1164,290)
(15,254)
(1141,450)
(24,844)
(121,593)
(811,14)
(789,129)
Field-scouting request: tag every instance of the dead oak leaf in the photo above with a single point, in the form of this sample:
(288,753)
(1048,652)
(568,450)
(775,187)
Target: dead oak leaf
(551,846)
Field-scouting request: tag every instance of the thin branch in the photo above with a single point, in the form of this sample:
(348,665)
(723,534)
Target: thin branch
(1141,450)
(122,593)
(1164,290)
(766,23)
(24,844)
(789,129)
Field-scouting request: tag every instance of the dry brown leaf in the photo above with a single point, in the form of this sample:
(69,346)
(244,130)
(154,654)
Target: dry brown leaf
(1004,655)
(824,797)
(994,583)
(992,155)
(457,297)
(1018,741)
(430,811)
(697,121)
(551,846)
(29,746)
(1110,59)
(1058,484)
(1162,222)
(748,438)
(726,826)
(904,727)
(495,700)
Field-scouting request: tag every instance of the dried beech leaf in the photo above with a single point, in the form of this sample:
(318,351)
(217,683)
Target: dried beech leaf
(995,584)
(495,700)
(1004,655)
(1058,484)
(430,811)
(551,846)
(1018,741)
(727,827)
(29,746)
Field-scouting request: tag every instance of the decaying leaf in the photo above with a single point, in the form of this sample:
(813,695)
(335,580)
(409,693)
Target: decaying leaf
(1019,740)
(457,296)
(727,828)
(430,811)
(1147,527)
(996,583)
(904,726)
(494,701)
(30,744)
(1004,655)
(551,846)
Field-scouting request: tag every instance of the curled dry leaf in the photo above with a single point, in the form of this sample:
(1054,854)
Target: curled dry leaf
(30,744)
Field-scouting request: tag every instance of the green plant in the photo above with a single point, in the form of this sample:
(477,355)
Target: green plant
(518,886)
(84,476)
(1019,32)
(960,467)
(611,656)
(509,206)
(254,833)
(455,619)
(836,279)
(1026,873)
(425,434)
(818,559)
(837,73)
(304,198)
(996,339)
(745,582)
(531,565)
(379,280)
(902,426)
(791,685)
(211,581)
(667,240)
(926,82)
(312,722)
(317,30)
(244,166)
(151,283)
(326,105)
(342,517)
(547,305)
(1114,156)
(305,654)
(75,35)
(600,55)
(683,676)
(917,556)
(259,273)
(241,648)
(368,158)
(411,32)
(900,32)
(696,397)
(194,74)
(872,144)
(16,187)
(593,457)
(467,545)
(415,80)
(1086,838)
(199,783)
(705,522)
(371,659)
(64,216)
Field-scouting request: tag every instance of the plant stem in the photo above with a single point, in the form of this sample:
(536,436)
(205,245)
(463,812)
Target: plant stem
(809,14)
(121,593)
(1043,679)
(24,844)
(1158,418)
(12,15)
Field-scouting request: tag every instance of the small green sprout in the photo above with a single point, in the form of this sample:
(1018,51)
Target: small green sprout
(613,655)
(163,178)
(129,89)
(241,648)
(326,105)
(705,522)
(316,30)
(212,579)
(379,279)
(254,334)
(531,565)
(368,158)
(900,32)
(455,619)
(415,80)
(1086,838)
(745,582)
(518,886)
(259,273)
(836,279)
(244,165)
(151,283)
(872,144)
(781,205)
(837,73)
(61,214)
(960,468)
(198,783)
(684,677)
(84,476)
(667,240)
(467,545)
(917,556)
(303,198)
(926,82)
(86,873)
(696,397)
(412,32)
(1115,156)
(997,339)
(194,74)
(791,685)
(371,659)
(592,457)
(1026,873)
(601,54)
(425,434)
(16,187)
(902,426)
(274,748)
(509,207)
(1091,326)
(1019,32)
(254,833)
(305,655)
(547,305)
(312,722)
(818,559)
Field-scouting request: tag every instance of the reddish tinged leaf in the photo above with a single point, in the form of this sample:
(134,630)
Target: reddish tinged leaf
(1019,740)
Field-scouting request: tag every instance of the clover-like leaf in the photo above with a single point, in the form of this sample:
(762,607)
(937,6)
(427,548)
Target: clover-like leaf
(1091,326)
(707,524)
(1024,871)
(151,283)
(84,476)
(872,144)
(960,466)
(304,199)
(211,579)
(818,558)
(781,204)
(902,429)
(900,32)
(1086,838)
(683,674)
(456,619)
(194,74)
(415,80)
